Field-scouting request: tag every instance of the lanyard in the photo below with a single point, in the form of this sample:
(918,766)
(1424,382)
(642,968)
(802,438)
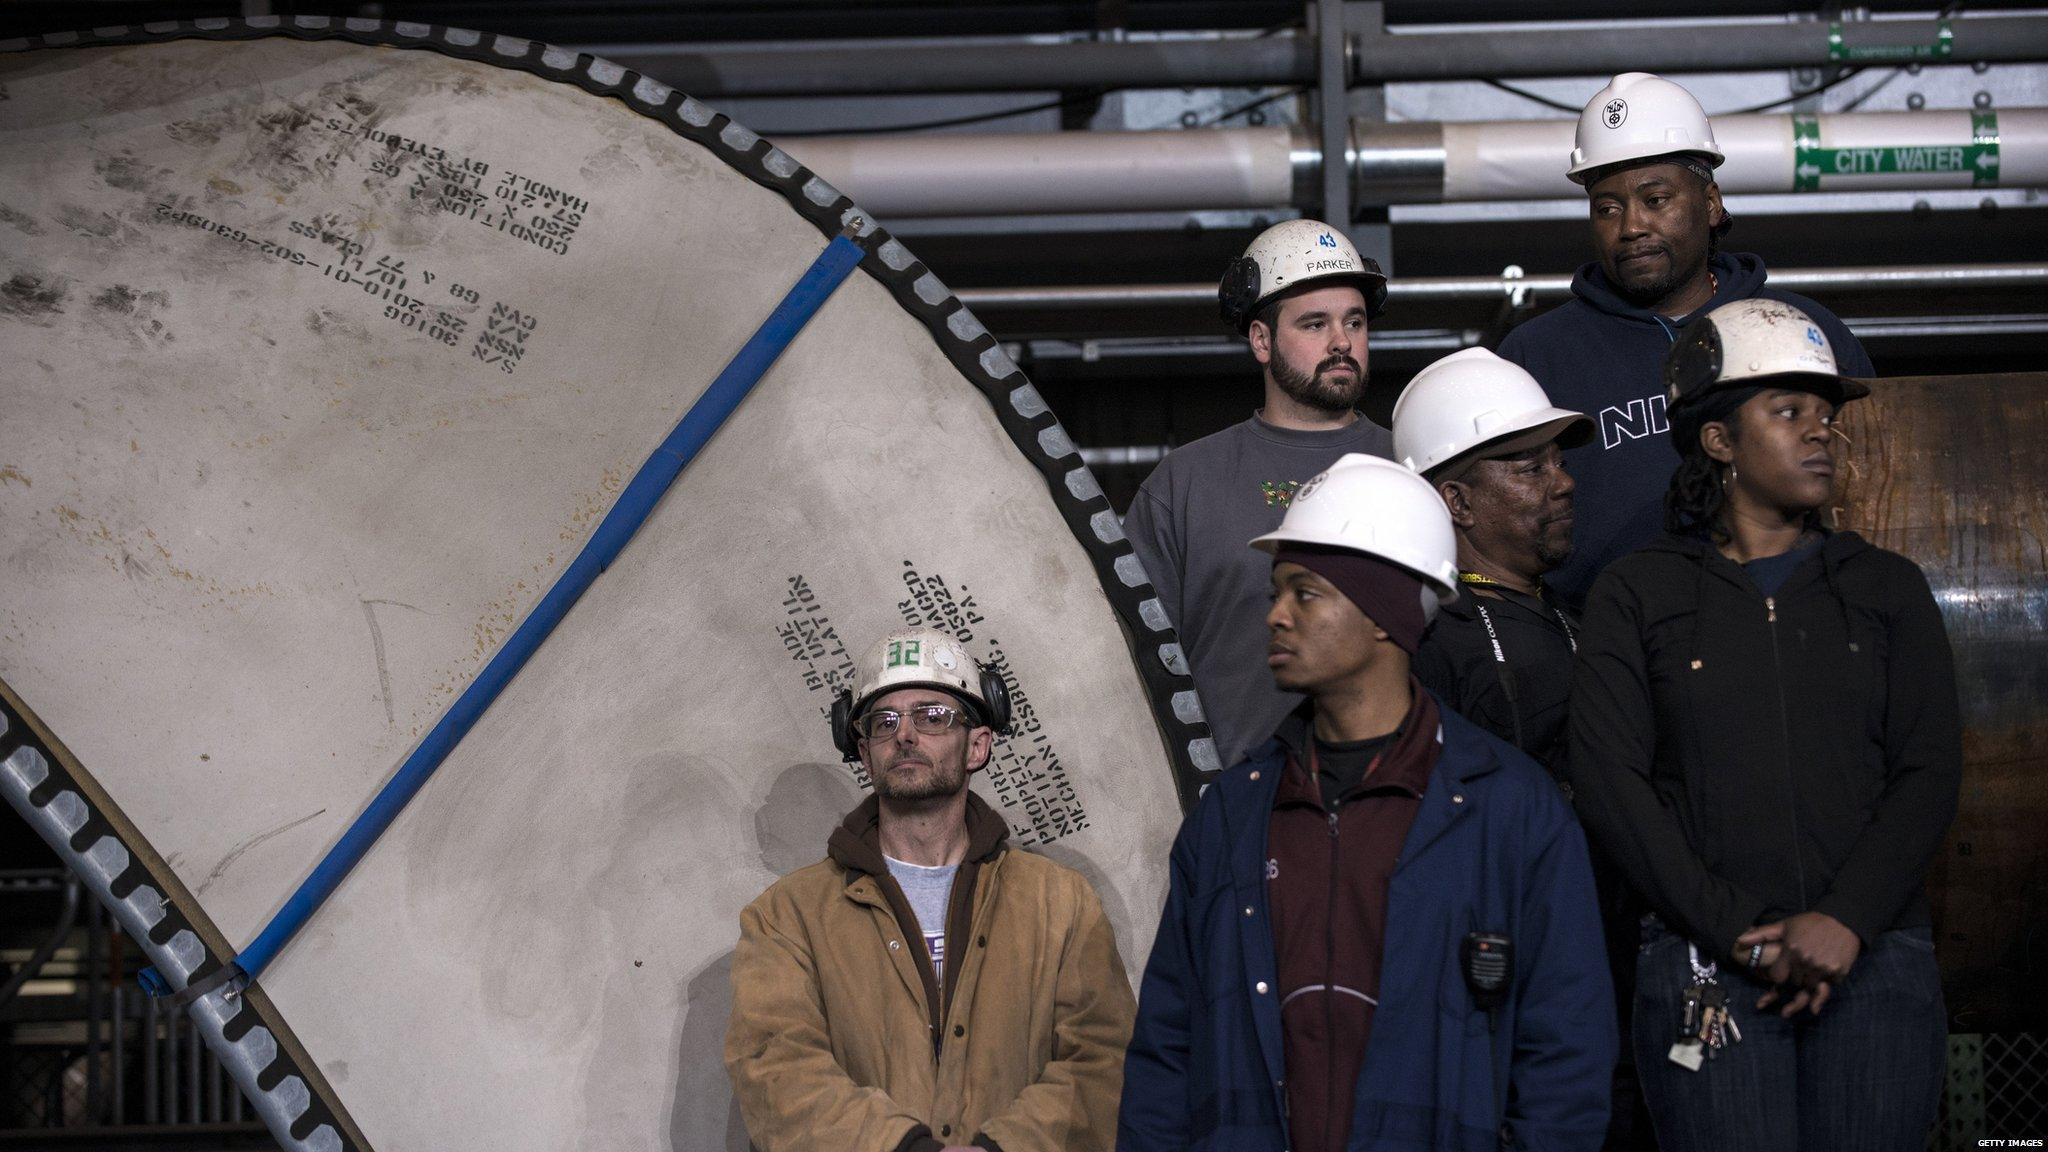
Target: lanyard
(1507,675)
(1500,656)
(1571,635)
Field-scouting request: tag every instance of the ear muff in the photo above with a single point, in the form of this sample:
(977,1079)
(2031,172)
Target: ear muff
(996,691)
(995,713)
(1693,364)
(1239,292)
(1376,292)
(843,737)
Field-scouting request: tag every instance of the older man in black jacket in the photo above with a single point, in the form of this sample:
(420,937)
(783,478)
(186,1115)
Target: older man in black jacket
(1484,433)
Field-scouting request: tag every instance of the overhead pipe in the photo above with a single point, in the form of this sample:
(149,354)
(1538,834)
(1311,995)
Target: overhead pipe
(710,71)
(1380,56)
(1858,151)
(1374,56)
(980,174)
(1867,278)
(1402,163)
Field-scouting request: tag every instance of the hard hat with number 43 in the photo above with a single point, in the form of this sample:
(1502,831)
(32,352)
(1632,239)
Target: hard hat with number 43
(1291,254)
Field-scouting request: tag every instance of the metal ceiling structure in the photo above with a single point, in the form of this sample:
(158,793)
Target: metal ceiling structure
(1089,166)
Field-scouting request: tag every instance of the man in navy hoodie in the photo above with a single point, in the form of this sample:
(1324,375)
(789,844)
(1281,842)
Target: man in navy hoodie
(1646,156)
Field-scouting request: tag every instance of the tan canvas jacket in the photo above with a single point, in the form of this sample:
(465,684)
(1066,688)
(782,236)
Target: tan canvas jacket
(831,1046)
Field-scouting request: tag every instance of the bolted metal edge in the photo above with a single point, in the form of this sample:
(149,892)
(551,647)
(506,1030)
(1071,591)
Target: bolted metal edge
(37,787)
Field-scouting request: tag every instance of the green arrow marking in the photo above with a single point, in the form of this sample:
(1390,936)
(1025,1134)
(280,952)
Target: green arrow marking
(1805,144)
(1812,163)
(1984,149)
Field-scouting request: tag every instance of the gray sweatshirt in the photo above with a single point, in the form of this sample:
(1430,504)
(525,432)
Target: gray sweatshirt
(1192,523)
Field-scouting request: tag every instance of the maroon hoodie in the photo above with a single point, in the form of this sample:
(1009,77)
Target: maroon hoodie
(1326,884)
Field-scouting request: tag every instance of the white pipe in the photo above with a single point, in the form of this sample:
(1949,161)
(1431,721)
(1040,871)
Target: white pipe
(1525,160)
(966,175)
(1040,172)
(1861,278)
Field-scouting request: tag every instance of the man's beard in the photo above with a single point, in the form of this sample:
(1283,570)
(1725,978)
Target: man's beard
(942,779)
(1647,293)
(1317,390)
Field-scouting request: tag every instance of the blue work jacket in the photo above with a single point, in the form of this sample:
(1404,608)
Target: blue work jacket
(1494,848)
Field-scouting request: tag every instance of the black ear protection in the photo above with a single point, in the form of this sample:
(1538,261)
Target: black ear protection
(1693,364)
(994,689)
(1238,294)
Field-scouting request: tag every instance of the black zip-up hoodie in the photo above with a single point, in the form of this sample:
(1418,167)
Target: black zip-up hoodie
(1599,354)
(1744,757)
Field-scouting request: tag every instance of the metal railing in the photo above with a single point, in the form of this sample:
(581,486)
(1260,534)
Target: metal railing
(86,1053)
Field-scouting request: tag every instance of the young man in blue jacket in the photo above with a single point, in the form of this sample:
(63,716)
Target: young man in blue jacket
(1380,930)
(1646,156)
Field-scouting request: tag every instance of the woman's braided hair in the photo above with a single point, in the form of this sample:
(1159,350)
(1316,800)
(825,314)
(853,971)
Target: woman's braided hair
(1694,499)
(1698,492)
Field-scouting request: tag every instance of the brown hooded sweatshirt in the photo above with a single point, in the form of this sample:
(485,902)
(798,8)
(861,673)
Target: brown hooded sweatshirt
(856,845)
(841,1040)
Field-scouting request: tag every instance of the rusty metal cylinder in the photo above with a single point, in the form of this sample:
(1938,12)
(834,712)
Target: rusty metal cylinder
(1947,471)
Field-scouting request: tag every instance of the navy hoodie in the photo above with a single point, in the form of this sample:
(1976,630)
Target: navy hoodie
(1601,355)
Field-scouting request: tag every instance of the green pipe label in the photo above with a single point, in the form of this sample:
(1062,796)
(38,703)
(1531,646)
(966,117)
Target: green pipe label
(1839,53)
(1812,163)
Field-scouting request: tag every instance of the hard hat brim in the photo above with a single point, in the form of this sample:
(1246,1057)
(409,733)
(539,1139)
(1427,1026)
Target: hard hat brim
(1271,542)
(1836,390)
(1534,429)
(977,710)
(1587,173)
(1372,285)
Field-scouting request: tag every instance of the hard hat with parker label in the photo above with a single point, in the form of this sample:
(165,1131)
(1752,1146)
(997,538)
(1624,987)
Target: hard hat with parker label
(1288,255)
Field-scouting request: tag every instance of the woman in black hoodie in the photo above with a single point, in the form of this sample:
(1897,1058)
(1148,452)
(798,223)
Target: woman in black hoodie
(1765,737)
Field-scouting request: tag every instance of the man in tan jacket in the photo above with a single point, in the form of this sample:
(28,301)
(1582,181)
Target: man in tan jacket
(926,988)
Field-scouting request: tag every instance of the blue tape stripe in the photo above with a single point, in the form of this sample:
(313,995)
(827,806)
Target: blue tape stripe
(632,509)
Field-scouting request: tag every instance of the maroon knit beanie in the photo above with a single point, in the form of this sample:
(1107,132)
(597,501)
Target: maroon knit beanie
(1388,594)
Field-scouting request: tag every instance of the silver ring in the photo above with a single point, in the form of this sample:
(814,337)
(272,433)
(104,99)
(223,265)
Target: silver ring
(1756,955)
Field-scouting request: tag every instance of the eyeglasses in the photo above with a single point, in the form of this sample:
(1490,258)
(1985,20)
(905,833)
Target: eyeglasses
(928,719)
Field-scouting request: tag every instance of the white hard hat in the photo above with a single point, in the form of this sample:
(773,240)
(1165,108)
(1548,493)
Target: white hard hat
(1754,342)
(916,658)
(1288,255)
(1638,116)
(919,658)
(1377,507)
(1472,402)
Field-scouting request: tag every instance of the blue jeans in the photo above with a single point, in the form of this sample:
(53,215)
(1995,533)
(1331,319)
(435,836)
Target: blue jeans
(1865,1074)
